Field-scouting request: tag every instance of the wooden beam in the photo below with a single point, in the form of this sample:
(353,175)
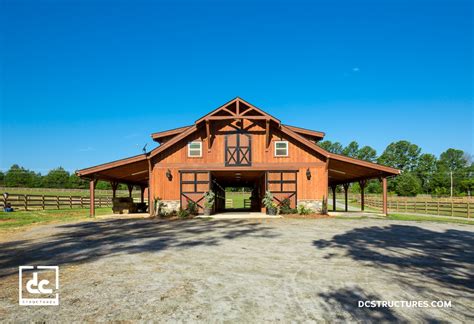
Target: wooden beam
(92,184)
(237,117)
(114,185)
(346,189)
(267,134)
(384,196)
(237,107)
(208,135)
(142,194)
(151,198)
(333,197)
(130,189)
(362,184)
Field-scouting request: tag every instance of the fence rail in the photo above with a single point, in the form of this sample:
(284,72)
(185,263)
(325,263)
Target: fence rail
(32,202)
(428,207)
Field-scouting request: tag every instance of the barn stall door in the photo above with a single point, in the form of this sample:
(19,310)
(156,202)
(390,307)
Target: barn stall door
(193,185)
(238,149)
(283,185)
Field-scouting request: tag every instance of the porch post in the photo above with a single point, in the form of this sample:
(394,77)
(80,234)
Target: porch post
(92,184)
(362,184)
(151,203)
(114,185)
(346,189)
(142,194)
(333,197)
(130,189)
(384,196)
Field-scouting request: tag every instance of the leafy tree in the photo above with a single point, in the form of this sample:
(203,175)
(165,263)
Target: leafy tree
(351,150)
(18,176)
(408,184)
(56,178)
(425,171)
(453,162)
(367,153)
(335,147)
(402,155)
(373,186)
(77,183)
(2,178)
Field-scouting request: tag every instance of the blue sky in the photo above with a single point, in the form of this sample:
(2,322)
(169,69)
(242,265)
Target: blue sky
(86,82)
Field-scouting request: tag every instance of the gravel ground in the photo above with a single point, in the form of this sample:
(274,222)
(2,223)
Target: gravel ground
(244,271)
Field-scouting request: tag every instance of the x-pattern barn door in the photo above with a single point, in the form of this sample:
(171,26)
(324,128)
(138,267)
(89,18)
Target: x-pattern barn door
(193,185)
(238,149)
(283,185)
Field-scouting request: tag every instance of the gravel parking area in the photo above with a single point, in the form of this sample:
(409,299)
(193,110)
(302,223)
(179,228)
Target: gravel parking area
(244,270)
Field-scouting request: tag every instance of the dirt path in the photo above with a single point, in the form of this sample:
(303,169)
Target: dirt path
(244,271)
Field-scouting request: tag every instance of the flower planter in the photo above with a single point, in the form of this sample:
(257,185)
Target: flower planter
(207,211)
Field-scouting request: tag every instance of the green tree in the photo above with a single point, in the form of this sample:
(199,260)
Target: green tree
(425,171)
(407,185)
(77,183)
(56,178)
(2,178)
(18,176)
(351,150)
(452,162)
(367,153)
(335,147)
(402,155)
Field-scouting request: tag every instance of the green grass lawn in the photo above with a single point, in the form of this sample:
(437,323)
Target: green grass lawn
(19,219)
(66,192)
(416,218)
(238,198)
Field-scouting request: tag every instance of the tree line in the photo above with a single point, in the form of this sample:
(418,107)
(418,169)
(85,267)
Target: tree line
(18,176)
(422,173)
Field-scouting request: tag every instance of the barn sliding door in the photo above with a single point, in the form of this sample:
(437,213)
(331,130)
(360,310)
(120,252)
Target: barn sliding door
(238,149)
(283,185)
(193,185)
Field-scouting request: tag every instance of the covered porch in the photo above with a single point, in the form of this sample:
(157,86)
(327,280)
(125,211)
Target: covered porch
(134,172)
(344,170)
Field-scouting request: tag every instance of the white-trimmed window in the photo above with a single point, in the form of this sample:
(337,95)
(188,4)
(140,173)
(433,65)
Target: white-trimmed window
(281,148)
(195,149)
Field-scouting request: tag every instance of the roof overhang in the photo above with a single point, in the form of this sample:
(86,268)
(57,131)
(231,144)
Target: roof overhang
(132,170)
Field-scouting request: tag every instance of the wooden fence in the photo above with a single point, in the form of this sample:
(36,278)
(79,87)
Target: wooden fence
(35,202)
(428,207)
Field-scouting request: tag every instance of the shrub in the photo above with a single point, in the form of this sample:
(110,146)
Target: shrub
(159,207)
(209,198)
(302,210)
(192,207)
(285,207)
(183,213)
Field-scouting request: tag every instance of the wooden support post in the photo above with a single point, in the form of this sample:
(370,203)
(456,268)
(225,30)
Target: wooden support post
(57,201)
(114,185)
(346,189)
(26,202)
(362,184)
(267,134)
(130,189)
(333,197)
(70,202)
(237,107)
(92,184)
(208,135)
(42,201)
(142,194)
(151,198)
(384,196)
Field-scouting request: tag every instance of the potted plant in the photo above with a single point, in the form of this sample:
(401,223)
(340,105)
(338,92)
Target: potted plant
(209,198)
(269,204)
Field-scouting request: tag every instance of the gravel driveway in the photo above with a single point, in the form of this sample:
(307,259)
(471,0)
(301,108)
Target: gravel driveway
(244,271)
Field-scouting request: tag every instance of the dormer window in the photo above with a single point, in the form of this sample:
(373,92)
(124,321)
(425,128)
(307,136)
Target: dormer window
(195,149)
(281,148)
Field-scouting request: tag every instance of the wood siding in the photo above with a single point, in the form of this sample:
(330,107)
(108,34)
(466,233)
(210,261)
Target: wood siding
(299,158)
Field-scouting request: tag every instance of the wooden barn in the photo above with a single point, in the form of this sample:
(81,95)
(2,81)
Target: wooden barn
(238,145)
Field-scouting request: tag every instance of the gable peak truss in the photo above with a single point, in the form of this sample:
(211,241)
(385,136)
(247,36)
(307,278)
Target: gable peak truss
(237,109)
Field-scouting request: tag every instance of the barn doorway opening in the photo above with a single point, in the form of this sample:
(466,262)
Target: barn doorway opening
(238,190)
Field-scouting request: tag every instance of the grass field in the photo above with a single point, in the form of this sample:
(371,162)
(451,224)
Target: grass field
(19,219)
(238,198)
(65,192)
